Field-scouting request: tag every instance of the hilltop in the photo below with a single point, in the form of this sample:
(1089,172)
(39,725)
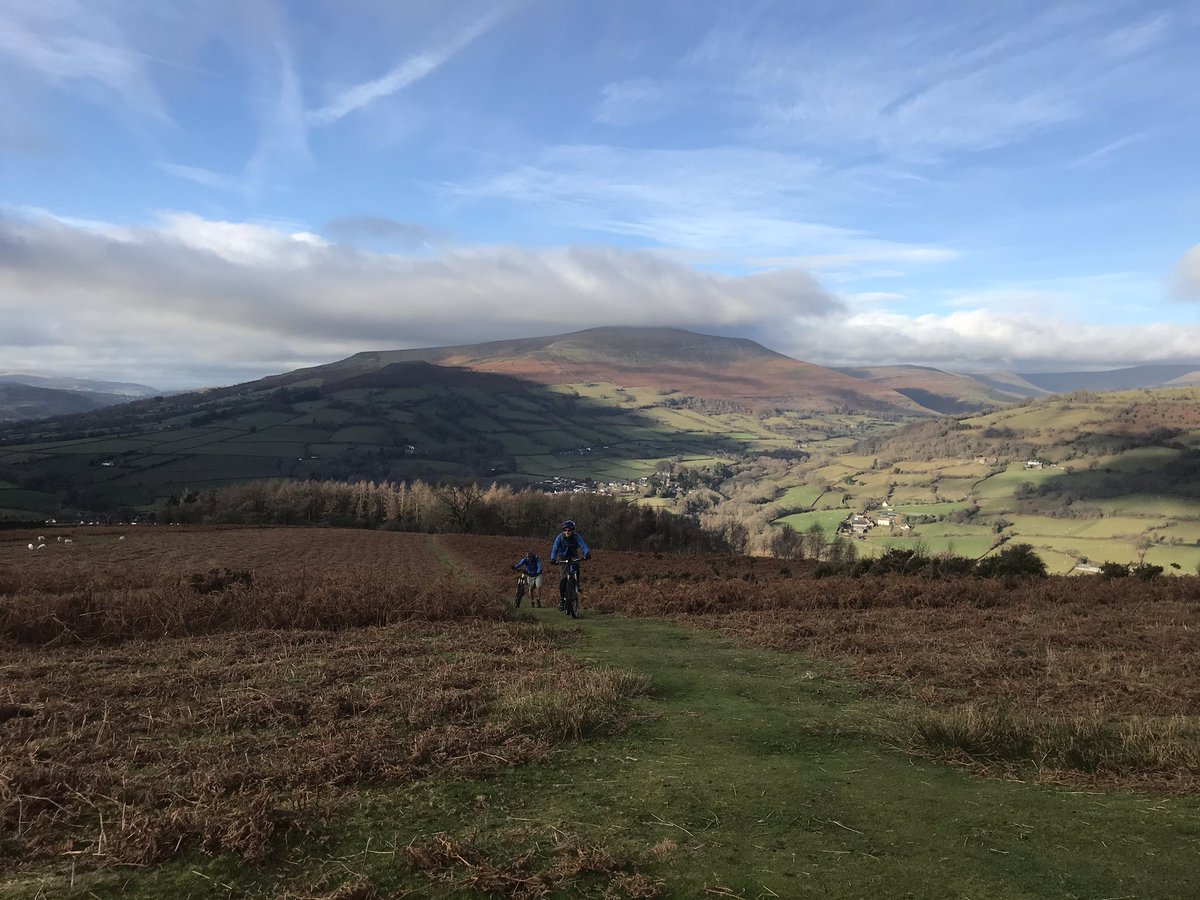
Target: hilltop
(605,405)
(663,359)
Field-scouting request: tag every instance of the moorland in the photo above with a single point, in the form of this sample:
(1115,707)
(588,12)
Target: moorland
(338,713)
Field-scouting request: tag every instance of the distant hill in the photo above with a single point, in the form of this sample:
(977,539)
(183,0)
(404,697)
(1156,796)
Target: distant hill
(20,402)
(1127,379)
(667,359)
(955,394)
(606,405)
(942,392)
(127,390)
(24,396)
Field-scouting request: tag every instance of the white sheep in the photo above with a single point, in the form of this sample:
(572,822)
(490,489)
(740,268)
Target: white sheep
(121,538)
(31,546)
(41,546)
(67,541)
(59,538)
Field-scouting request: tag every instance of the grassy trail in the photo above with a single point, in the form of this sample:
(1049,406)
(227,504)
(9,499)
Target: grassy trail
(761,768)
(746,774)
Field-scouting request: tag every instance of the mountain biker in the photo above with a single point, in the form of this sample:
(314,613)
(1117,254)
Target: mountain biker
(531,564)
(567,545)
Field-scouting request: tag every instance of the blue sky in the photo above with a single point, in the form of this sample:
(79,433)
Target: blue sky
(206,191)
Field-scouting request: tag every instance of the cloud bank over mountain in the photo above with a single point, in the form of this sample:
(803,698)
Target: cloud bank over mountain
(198,301)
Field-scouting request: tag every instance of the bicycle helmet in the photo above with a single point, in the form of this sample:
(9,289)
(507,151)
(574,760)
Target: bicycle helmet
(570,523)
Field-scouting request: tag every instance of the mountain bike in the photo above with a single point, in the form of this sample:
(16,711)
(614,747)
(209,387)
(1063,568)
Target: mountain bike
(522,586)
(571,594)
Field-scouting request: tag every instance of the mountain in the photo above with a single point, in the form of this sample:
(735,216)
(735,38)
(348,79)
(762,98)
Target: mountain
(664,359)
(21,401)
(1127,379)
(956,394)
(125,390)
(942,392)
(607,404)
(24,396)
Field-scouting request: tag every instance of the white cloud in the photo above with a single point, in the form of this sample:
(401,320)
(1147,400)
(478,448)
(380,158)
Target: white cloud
(979,340)
(911,80)
(739,206)
(187,301)
(411,70)
(639,100)
(71,42)
(1187,275)
(222,294)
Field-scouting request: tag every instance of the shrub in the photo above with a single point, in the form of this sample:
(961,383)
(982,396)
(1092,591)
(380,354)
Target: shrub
(1017,559)
(1114,570)
(214,581)
(1145,571)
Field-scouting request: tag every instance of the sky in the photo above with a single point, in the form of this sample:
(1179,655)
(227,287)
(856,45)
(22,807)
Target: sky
(203,192)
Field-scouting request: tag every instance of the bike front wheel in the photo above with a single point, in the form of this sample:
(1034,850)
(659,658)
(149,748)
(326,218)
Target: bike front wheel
(573,599)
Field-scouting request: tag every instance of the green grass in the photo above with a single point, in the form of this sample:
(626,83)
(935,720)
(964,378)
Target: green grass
(828,519)
(929,509)
(749,774)
(969,545)
(27,501)
(802,496)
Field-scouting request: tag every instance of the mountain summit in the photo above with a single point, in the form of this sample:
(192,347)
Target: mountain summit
(667,359)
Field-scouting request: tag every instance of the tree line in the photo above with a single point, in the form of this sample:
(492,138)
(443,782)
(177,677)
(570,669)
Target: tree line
(425,507)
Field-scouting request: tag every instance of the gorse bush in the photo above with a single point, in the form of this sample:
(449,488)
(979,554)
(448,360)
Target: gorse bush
(1144,571)
(1014,560)
(1018,560)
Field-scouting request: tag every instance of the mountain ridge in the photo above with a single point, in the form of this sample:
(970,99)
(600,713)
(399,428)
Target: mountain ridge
(707,366)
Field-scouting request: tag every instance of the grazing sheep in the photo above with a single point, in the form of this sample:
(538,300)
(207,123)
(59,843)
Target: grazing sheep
(41,538)
(121,538)
(41,546)
(31,546)
(59,538)
(67,541)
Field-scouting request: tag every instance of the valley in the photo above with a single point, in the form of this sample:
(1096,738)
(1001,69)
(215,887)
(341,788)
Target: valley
(723,431)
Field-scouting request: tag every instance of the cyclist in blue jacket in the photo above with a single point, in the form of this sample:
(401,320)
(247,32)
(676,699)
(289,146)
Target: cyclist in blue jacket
(568,545)
(531,565)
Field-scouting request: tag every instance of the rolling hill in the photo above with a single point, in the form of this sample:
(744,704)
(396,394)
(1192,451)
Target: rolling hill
(665,359)
(38,397)
(943,392)
(954,394)
(602,405)
(1081,477)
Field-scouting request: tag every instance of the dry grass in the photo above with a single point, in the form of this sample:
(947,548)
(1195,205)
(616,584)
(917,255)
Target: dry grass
(133,754)
(1134,750)
(142,717)
(1107,673)
(1058,646)
(576,704)
(465,866)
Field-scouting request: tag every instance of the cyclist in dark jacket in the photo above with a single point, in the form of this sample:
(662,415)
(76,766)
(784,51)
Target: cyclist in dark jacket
(531,565)
(568,545)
